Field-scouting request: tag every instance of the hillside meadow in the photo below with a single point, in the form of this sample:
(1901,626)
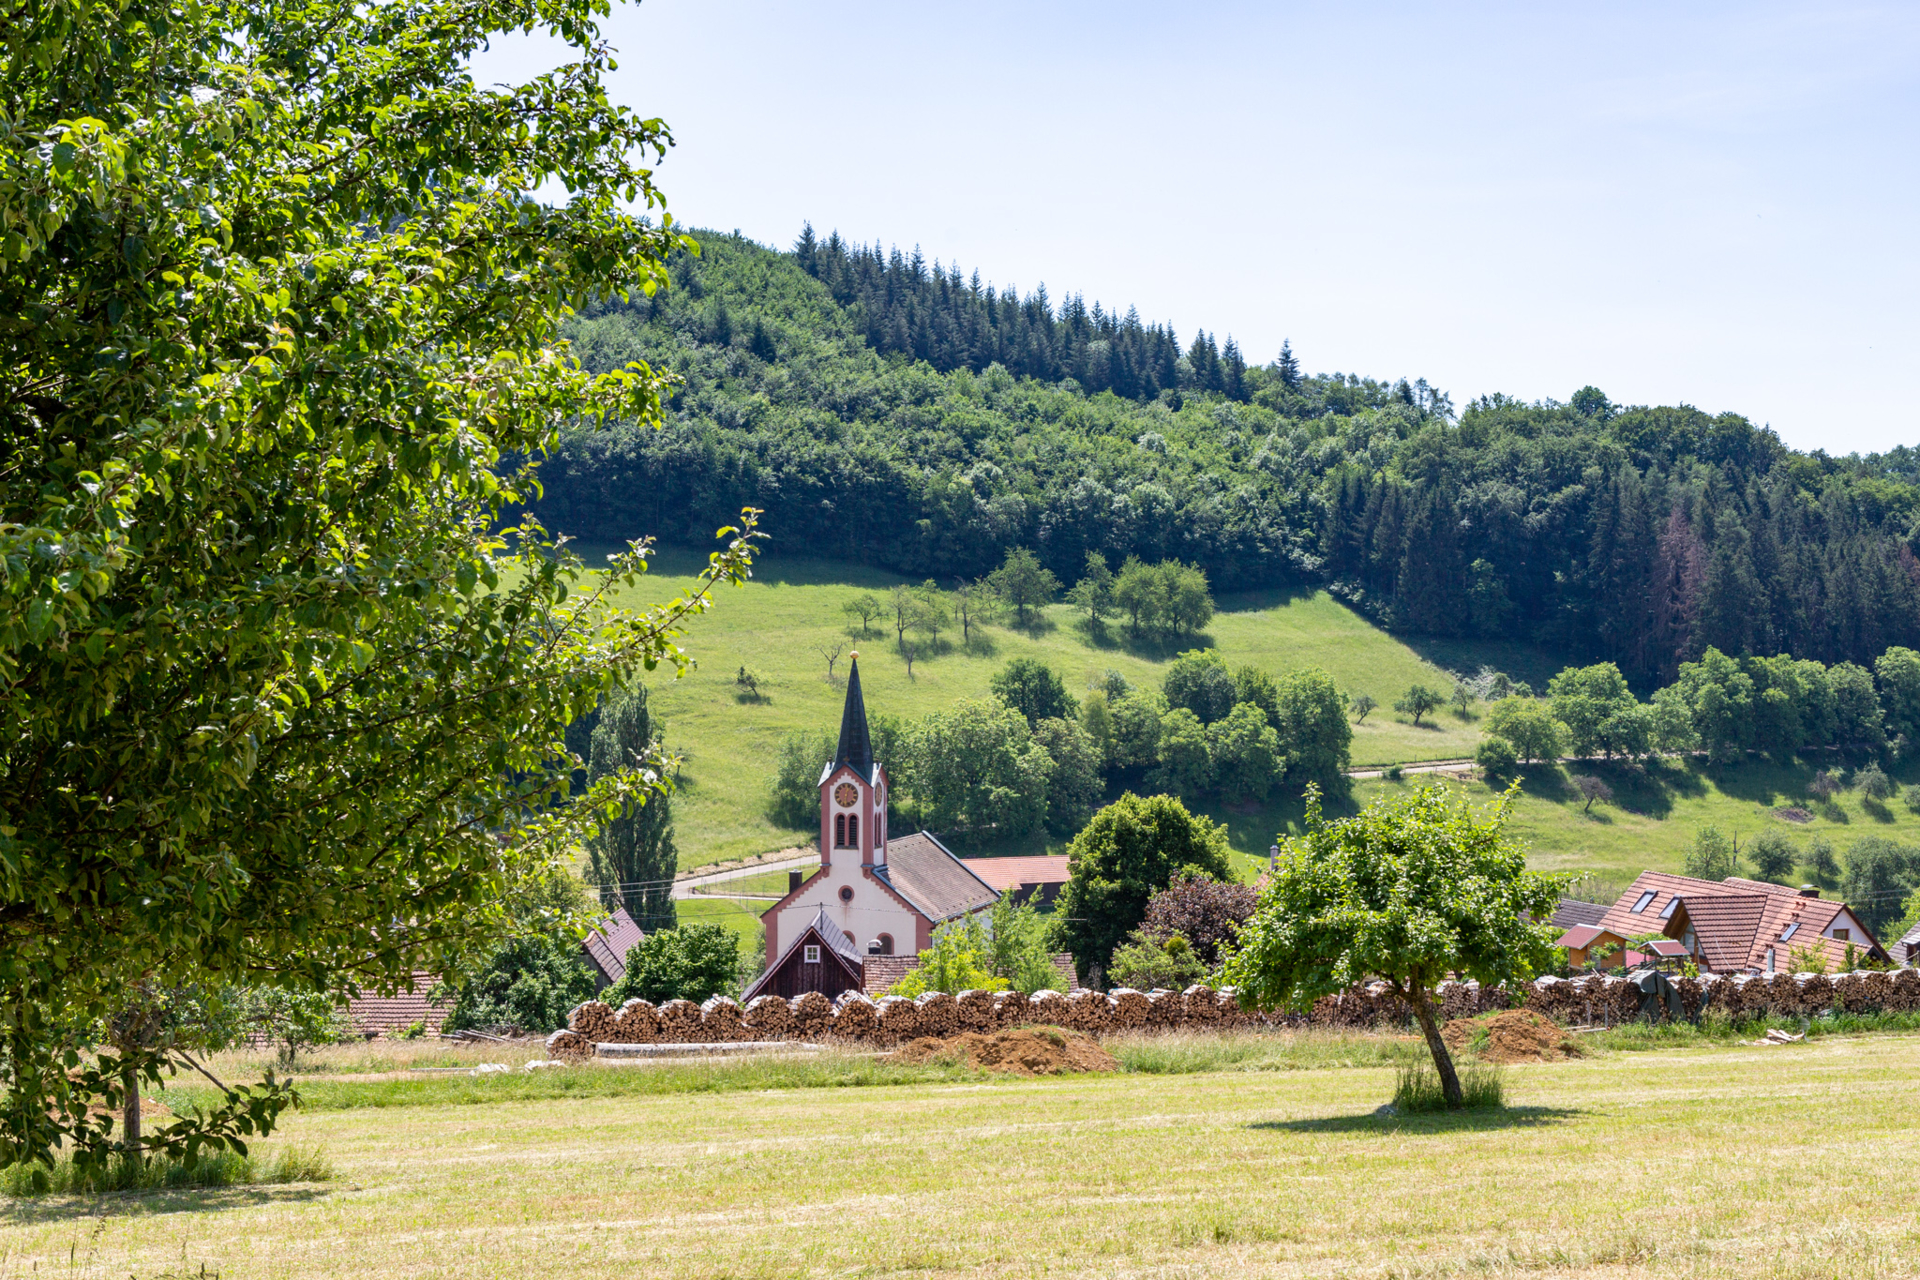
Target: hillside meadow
(1271,1166)
(777,625)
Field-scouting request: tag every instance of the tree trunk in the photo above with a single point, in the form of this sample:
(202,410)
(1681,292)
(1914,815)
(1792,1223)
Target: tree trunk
(130,1123)
(1416,994)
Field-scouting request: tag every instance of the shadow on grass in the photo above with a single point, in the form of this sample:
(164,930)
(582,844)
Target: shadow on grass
(27,1210)
(1438,1122)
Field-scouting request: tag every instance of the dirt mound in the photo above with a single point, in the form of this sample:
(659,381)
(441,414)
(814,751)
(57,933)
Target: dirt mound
(1518,1035)
(1045,1051)
(1793,814)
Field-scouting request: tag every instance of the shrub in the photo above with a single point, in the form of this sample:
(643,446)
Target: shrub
(214,1169)
(1145,962)
(957,961)
(528,982)
(1206,912)
(1416,1088)
(1910,794)
(1395,772)
(1497,759)
(691,962)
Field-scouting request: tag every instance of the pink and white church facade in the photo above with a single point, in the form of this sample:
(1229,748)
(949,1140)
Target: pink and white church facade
(883,895)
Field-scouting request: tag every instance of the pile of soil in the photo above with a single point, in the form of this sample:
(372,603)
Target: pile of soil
(1518,1035)
(1043,1051)
(1793,814)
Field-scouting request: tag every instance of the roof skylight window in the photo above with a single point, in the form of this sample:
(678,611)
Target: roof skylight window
(1790,931)
(1666,912)
(1641,905)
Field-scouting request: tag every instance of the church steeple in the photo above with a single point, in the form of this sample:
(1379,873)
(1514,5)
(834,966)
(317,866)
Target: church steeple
(856,745)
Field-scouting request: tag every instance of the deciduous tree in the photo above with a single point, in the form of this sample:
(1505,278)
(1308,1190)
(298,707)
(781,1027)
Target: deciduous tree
(1129,851)
(286,686)
(1407,891)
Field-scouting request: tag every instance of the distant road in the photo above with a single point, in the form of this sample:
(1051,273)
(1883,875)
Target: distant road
(686,886)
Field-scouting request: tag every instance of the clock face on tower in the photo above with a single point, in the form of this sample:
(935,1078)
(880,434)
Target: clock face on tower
(845,794)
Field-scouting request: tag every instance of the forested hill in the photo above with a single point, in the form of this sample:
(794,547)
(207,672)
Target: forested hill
(885,411)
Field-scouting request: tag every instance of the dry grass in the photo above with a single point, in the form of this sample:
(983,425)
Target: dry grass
(1708,1161)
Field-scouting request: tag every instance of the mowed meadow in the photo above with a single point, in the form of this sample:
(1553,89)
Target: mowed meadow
(777,625)
(1626,1164)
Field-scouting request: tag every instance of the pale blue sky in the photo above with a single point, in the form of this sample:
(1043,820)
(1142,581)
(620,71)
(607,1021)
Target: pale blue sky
(1704,203)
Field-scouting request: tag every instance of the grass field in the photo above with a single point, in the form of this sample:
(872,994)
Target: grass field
(776,625)
(1625,1165)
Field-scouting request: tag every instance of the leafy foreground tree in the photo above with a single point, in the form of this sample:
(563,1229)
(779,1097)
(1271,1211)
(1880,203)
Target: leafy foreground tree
(1407,891)
(1129,851)
(285,690)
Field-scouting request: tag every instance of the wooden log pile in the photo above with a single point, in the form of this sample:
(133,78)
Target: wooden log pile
(1589,999)
(638,1022)
(812,1016)
(769,1018)
(899,1019)
(1129,1009)
(854,1016)
(976,1011)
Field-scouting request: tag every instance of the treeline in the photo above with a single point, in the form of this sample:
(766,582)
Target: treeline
(887,412)
(1725,706)
(1033,755)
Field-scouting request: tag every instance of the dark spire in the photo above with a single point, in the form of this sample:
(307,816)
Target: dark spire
(856,745)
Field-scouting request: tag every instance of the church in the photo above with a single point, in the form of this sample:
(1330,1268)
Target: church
(871,895)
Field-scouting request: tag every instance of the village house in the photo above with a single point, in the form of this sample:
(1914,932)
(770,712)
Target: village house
(1733,925)
(872,894)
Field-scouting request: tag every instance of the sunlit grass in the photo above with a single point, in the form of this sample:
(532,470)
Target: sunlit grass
(1635,1164)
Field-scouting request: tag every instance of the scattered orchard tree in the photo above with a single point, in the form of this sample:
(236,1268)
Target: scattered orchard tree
(866,607)
(1419,701)
(1529,726)
(1772,855)
(1407,891)
(1024,584)
(1714,856)
(1362,703)
(631,859)
(1592,788)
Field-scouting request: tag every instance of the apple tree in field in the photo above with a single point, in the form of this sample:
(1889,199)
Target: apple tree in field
(1407,892)
(285,675)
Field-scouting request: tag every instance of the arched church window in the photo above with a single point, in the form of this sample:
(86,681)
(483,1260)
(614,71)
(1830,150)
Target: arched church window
(839,830)
(853,830)
(886,944)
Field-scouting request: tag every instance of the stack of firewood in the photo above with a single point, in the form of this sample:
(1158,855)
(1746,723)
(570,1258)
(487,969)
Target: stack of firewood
(637,1023)
(680,1023)
(975,1010)
(568,1044)
(769,1018)
(592,1020)
(938,1015)
(1129,1009)
(855,1017)
(1199,1006)
(812,1016)
(1089,1011)
(1048,1008)
(722,1019)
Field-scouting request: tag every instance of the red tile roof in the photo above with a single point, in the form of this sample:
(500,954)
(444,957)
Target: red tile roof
(1736,921)
(389,1015)
(607,945)
(1012,873)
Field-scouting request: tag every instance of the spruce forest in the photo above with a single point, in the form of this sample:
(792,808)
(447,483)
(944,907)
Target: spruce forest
(900,414)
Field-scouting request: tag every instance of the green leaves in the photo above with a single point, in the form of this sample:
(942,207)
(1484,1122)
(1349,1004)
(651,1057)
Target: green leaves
(285,685)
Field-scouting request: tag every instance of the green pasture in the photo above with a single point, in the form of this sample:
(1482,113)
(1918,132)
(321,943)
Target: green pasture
(776,626)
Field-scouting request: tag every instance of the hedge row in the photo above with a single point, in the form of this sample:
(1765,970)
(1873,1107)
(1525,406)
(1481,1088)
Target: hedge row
(894,1019)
